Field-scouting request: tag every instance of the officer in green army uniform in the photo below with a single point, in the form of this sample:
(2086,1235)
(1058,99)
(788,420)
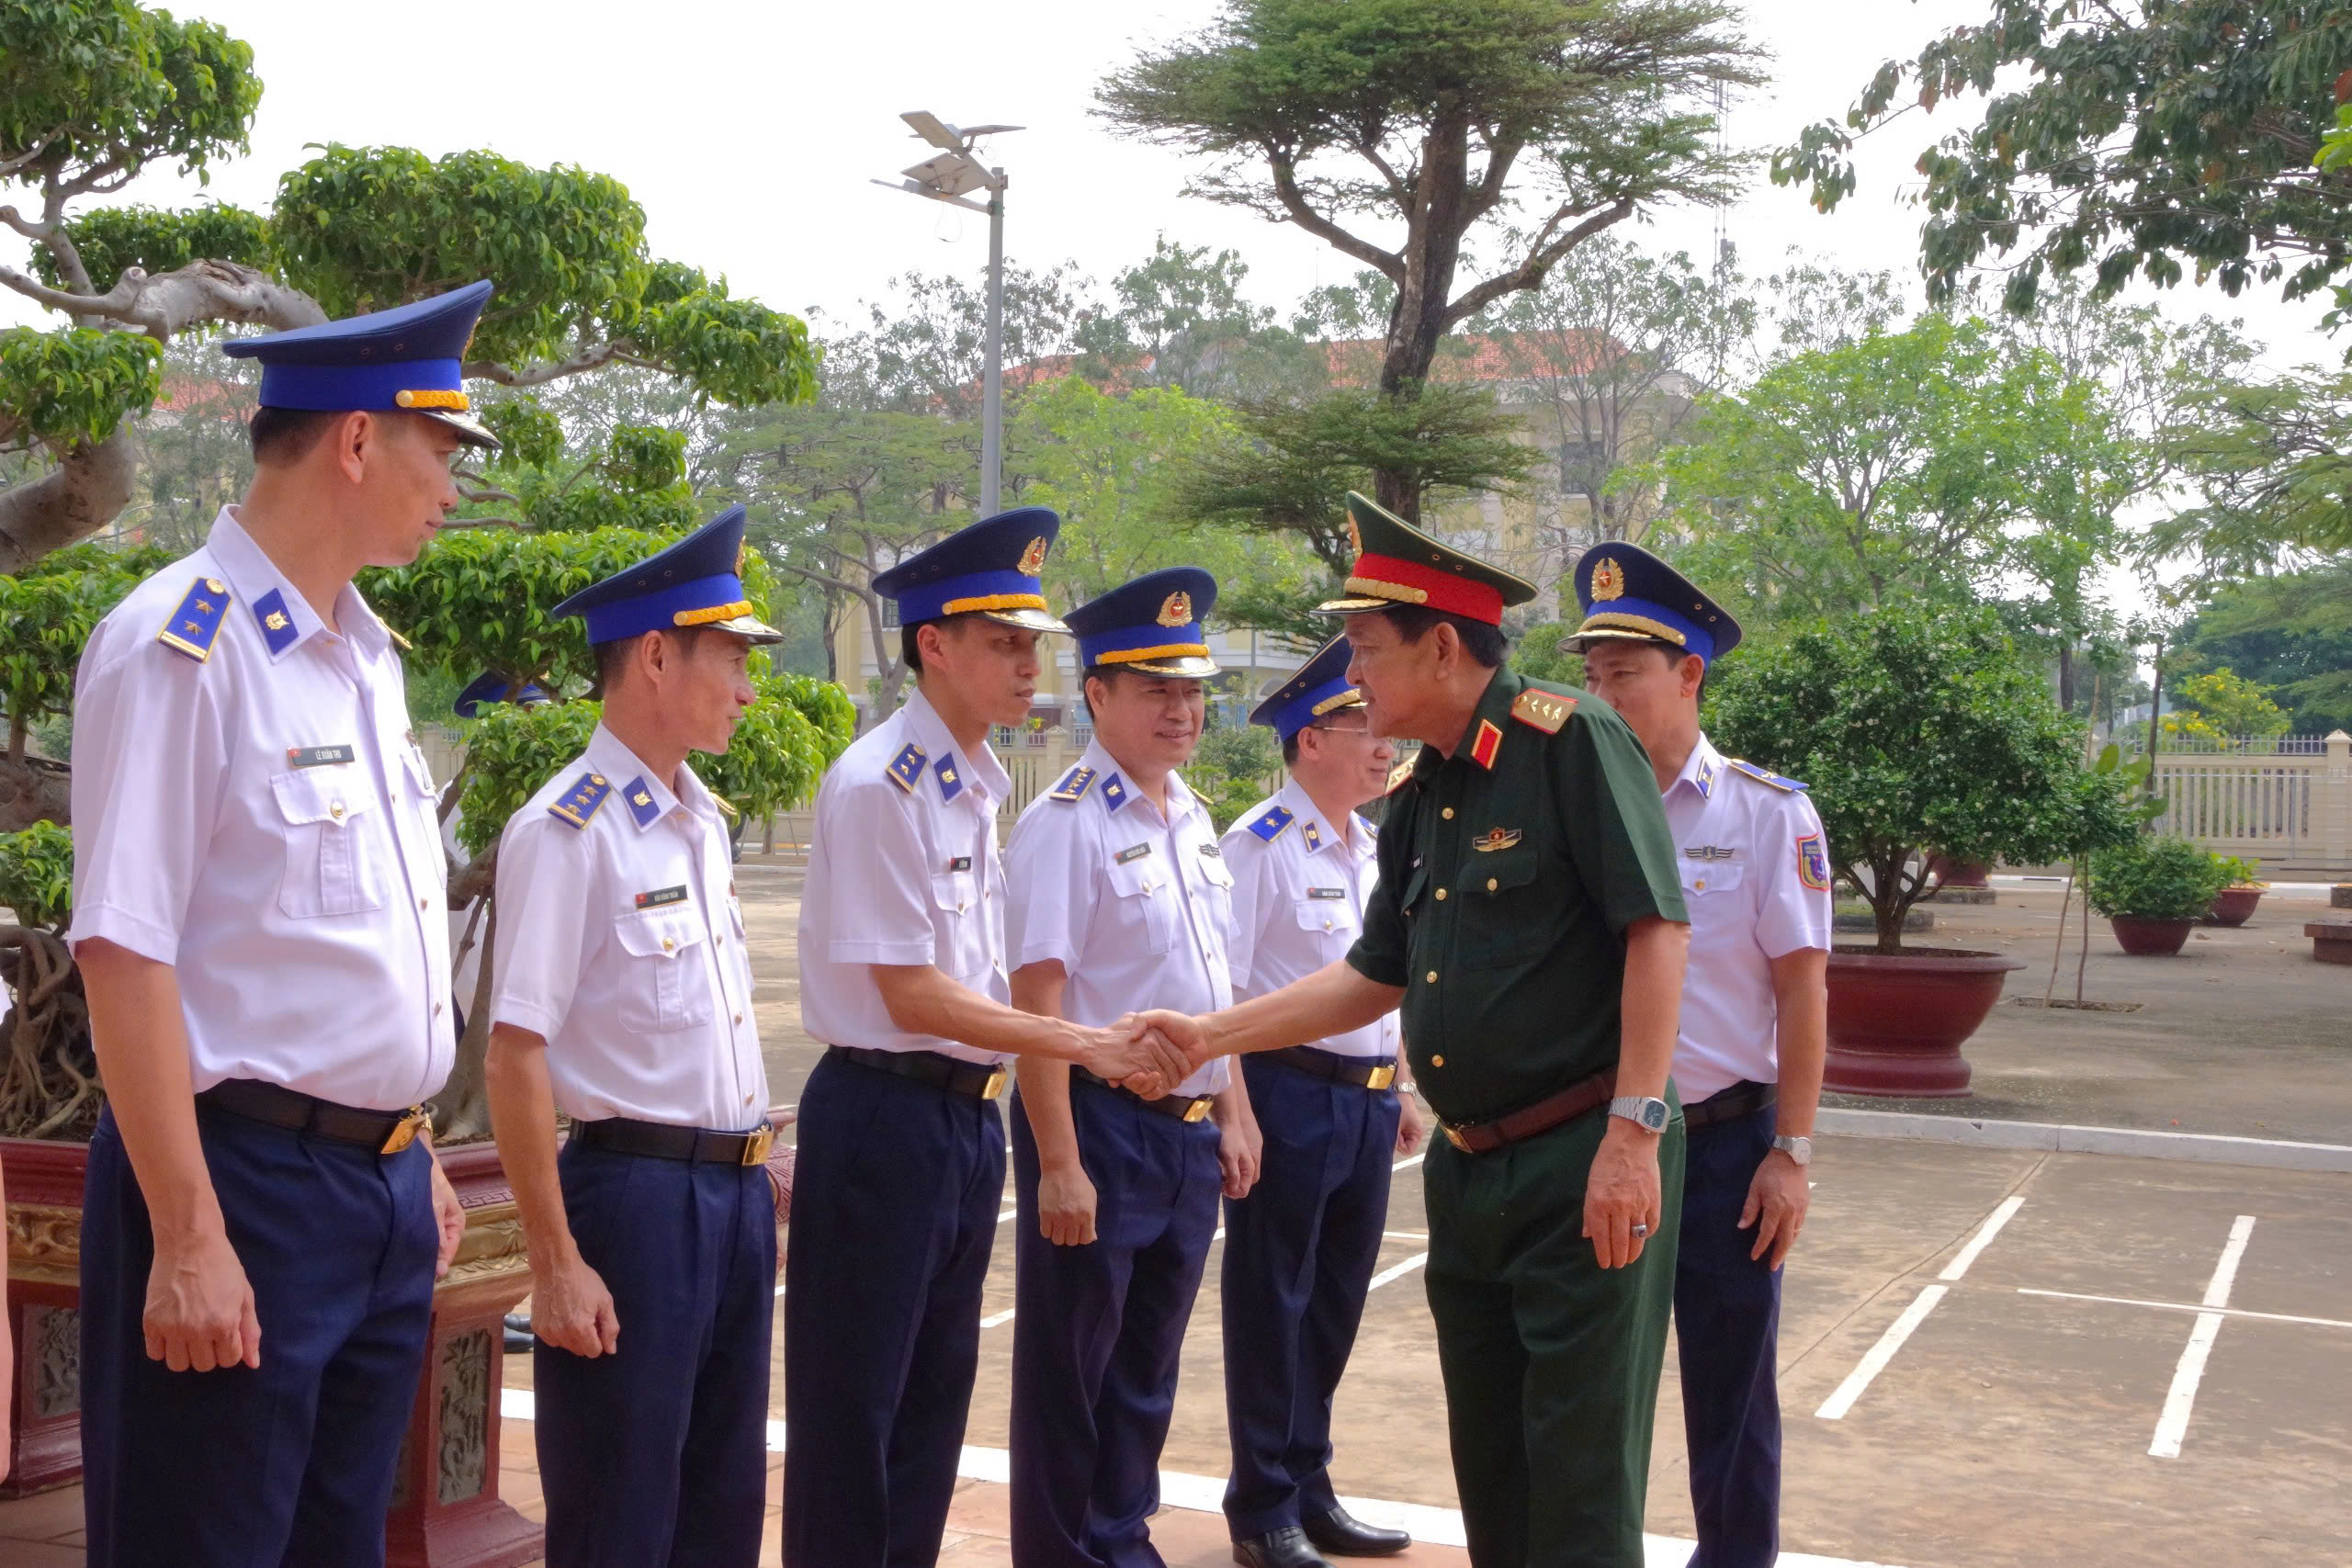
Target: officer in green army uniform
(1529,921)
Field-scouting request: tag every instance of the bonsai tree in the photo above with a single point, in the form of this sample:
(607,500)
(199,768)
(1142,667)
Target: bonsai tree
(2156,878)
(49,1077)
(1913,728)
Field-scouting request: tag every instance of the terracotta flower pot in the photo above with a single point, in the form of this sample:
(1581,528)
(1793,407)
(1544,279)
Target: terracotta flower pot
(2145,938)
(1957,873)
(2233,906)
(1897,1020)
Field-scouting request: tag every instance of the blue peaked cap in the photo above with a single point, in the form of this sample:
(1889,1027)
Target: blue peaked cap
(409,358)
(694,582)
(491,689)
(1628,592)
(1152,625)
(1319,686)
(988,569)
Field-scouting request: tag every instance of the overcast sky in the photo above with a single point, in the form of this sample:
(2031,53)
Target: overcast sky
(748,131)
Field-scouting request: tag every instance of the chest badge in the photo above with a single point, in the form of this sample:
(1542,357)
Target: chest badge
(1709,852)
(661,895)
(1494,839)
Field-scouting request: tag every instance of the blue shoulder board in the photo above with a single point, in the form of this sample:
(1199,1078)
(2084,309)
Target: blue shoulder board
(580,801)
(907,767)
(1761,777)
(197,620)
(1073,784)
(1269,825)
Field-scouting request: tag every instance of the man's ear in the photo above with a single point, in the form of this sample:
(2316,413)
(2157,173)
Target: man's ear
(355,439)
(1693,669)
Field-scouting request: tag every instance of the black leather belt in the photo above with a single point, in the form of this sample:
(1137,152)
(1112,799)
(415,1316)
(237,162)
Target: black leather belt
(1183,1108)
(1742,1098)
(386,1132)
(978,1079)
(661,1140)
(1364,1072)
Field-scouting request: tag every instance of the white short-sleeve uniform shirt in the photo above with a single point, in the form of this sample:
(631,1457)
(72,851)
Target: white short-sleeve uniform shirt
(903,870)
(620,943)
(1756,877)
(1299,886)
(250,806)
(1136,906)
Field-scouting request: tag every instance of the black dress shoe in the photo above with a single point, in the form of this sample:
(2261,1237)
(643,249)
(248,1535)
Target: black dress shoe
(1343,1535)
(1285,1548)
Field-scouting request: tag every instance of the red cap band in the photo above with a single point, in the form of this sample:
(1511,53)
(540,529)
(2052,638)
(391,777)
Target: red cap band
(1430,585)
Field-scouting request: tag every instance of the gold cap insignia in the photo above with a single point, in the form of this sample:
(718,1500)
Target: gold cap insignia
(1355,534)
(1177,611)
(741,551)
(1032,559)
(1608,581)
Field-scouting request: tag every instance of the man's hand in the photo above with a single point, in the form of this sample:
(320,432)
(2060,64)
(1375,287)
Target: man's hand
(1066,1206)
(199,1314)
(1241,1154)
(1412,1127)
(1778,1196)
(571,1310)
(1134,1053)
(1622,1192)
(1183,1034)
(449,1215)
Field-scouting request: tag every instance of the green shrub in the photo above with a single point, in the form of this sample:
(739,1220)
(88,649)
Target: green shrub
(2155,879)
(2242,873)
(37,875)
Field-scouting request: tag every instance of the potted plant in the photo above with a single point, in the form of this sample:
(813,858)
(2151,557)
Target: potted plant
(2153,890)
(2234,904)
(1915,730)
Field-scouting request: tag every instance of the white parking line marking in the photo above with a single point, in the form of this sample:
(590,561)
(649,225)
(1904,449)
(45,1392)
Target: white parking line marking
(996,1318)
(1880,1354)
(1408,1163)
(2191,1307)
(1874,1361)
(2172,1427)
(1387,1275)
(1983,1238)
(1205,1494)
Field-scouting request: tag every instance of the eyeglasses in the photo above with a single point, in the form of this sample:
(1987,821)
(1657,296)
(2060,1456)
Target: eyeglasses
(1342,729)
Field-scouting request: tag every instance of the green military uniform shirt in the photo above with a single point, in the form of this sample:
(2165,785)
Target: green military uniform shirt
(1508,873)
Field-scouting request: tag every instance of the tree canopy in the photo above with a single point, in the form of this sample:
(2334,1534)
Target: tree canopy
(2149,138)
(1433,117)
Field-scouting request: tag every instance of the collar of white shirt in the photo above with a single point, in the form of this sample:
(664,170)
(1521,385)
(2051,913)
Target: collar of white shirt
(1182,802)
(1328,834)
(1703,771)
(610,756)
(928,730)
(252,577)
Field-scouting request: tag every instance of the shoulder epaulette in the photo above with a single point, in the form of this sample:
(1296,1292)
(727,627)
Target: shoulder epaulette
(907,767)
(197,620)
(1270,825)
(1398,774)
(580,803)
(1541,710)
(1073,784)
(1762,776)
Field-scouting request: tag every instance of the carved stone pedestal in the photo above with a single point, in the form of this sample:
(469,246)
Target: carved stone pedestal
(44,1293)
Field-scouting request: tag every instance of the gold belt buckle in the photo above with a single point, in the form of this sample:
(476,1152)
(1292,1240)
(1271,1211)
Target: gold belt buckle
(1382,1075)
(757,1142)
(404,1132)
(995,1086)
(1198,1109)
(1454,1136)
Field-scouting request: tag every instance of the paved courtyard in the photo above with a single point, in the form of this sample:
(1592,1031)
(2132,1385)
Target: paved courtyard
(1991,1357)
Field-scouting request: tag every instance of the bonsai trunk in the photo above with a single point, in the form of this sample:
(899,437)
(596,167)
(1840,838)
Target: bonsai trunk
(464,1102)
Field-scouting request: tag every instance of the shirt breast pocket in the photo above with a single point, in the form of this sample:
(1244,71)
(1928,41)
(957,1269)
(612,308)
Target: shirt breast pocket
(1710,879)
(1148,903)
(666,986)
(336,851)
(1499,922)
(1332,924)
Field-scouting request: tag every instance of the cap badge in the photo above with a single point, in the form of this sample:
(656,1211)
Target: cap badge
(1032,559)
(1177,611)
(1355,534)
(1608,581)
(741,551)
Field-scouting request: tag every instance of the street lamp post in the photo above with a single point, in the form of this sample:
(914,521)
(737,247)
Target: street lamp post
(951,177)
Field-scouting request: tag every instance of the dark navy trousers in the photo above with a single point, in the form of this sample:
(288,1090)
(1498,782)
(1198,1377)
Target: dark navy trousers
(1726,1329)
(658,1452)
(894,1208)
(1098,1331)
(1299,1251)
(290,1465)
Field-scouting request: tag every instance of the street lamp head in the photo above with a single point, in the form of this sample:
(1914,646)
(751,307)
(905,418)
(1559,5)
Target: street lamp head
(933,130)
(948,175)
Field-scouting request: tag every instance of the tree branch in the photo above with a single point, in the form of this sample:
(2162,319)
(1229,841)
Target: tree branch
(592,358)
(1388,265)
(169,303)
(8,166)
(1539,260)
(88,490)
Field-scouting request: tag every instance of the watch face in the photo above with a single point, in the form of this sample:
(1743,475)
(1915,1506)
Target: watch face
(1654,1114)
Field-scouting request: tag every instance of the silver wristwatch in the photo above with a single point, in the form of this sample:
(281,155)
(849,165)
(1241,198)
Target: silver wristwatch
(1644,1112)
(1799,1150)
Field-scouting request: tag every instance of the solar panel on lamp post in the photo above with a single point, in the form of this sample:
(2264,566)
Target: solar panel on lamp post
(952,176)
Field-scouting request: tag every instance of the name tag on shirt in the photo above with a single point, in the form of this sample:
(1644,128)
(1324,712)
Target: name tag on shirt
(961,863)
(1133,852)
(318,756)
(1327,893)
(661,896)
